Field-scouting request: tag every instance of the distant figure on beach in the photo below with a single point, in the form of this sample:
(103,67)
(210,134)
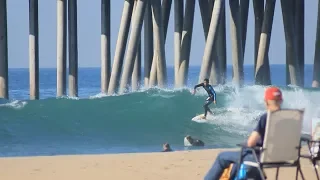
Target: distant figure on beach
(211,96)
(273,101)
(166,148)
(189,141)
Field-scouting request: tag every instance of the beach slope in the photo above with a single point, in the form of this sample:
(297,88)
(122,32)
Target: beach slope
(187,165)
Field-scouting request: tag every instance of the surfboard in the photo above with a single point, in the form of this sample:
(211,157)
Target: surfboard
(199,118)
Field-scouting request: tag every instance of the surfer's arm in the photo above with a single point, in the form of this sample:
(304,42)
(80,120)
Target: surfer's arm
(198,85)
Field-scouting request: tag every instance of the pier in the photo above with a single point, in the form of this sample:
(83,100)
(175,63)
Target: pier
(122,72)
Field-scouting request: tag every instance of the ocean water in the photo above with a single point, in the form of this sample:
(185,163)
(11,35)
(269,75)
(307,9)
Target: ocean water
(138,121)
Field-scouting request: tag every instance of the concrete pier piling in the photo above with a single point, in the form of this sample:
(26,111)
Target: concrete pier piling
(165,15)
(291,51)
(166,9)
(158,37)
(299,26)
(178,25)
(105,46)
(244,11)
(205,16)
(210,6)
(73,48)
(262,76)
(258,8)
(186,42)
(133,44)
(136,74)
(236,39)
(33,49)
(206,8)
(148,43)
(221,44)
(219,58)
(121,46)
(154,62)
(214,72)
(153,72)
(61,48)
(316,63)
(211,40)
(4,88)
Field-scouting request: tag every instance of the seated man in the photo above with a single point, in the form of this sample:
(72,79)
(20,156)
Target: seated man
(273,100)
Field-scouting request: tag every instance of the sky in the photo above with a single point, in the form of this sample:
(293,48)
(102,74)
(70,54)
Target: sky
(89,34)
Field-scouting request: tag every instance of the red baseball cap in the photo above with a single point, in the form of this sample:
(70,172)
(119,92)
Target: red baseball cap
(273,93)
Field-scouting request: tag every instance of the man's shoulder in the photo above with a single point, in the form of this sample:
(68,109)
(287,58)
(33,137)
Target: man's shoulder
(263,118)
(262,121)
(264,115)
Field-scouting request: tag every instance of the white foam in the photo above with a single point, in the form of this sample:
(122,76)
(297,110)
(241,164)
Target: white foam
(245,104)
(15,104)
(97,96)
(72,98)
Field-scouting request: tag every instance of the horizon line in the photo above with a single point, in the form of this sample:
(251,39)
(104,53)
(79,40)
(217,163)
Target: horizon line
(168,66)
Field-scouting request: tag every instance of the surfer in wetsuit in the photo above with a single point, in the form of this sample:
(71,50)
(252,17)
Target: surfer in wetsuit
(211,94)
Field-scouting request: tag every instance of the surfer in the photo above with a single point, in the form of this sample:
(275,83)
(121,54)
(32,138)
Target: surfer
(166,148)
(193,142)
(211,94)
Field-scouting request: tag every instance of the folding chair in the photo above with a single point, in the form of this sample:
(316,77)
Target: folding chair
(314,152)
(281,147)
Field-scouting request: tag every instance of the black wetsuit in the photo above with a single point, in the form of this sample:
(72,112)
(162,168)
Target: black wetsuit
(197,142)
(210,99)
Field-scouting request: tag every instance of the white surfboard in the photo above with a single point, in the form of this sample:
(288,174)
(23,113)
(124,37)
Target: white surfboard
(200,119)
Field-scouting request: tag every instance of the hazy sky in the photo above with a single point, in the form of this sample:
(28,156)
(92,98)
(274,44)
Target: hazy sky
(89,33)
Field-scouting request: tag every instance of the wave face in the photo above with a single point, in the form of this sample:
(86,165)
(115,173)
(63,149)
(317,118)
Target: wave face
(139,121)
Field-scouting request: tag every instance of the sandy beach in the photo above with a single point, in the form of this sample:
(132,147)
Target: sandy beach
(187,165)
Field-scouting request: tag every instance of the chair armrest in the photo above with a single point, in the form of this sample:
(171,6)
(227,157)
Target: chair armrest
(308,139)
(245,146)
(242,145)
